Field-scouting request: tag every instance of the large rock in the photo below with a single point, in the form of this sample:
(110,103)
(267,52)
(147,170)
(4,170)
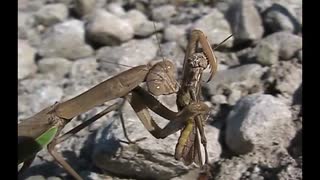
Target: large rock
(56,67)
(163,13)
(259,121)
(257,166)
(278,18)
(287,77)
(26,60)
(132,53)
(288,44)
(51,14)
(35,95)
(99,30)
(25,23)
(150,158)
(215,27)
(65,40)
(84,7)
(245,21)
(237,81)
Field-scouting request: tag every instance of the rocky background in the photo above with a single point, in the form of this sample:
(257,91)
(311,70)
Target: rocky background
(254,130)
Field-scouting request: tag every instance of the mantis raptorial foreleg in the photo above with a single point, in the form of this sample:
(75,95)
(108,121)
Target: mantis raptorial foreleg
(140,100)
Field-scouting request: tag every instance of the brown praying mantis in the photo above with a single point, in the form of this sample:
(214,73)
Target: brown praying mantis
(43,129)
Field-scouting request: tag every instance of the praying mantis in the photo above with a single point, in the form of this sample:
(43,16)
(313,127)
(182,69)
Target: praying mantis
(43,129)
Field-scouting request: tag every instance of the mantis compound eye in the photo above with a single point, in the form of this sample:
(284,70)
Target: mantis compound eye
(161,79)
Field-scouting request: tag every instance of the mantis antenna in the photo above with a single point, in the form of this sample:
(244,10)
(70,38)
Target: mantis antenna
(161,54)
(154,25)
(223,41)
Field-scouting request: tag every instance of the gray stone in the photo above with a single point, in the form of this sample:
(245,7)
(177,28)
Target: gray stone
(222,67)
(277,46)
(297,96)
(26,60)
(300,56)
(259,121)
(65,2)
(190,175)
(37,177)
(245,166)
(219,99)
(132,53)
(30,5)
(141,25)
(25,22)
(175,32)
(51,14)
(116,9)
(84,7)
(215,27)
(173,52)
(245,21)
(135,18)
(242,78)
(65,40)
(35,95)
(153,157)
(247,55)
(229,59)
(163,13)
(101,3)
(223,6)
(288,77)
(293,6)
(147,28)
(234,96)
(53,178)
(267,53)
(89,175)
(29,33)
(57,67)
(99,30)
(278,18)
(83,68)
(84,74)
(290,172)
(288,43)
(262,5)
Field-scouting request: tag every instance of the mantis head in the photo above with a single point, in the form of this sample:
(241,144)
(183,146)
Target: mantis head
(161,79)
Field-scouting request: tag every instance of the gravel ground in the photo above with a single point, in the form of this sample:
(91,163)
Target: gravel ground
(254,130)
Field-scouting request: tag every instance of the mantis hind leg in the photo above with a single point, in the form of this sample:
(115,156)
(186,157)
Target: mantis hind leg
(125,130)
(58,157)
(87,123)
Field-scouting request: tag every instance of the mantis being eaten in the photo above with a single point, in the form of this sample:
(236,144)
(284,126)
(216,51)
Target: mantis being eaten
(43,129)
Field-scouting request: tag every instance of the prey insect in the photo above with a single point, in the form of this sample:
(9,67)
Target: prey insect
(188,147)
(43,129)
